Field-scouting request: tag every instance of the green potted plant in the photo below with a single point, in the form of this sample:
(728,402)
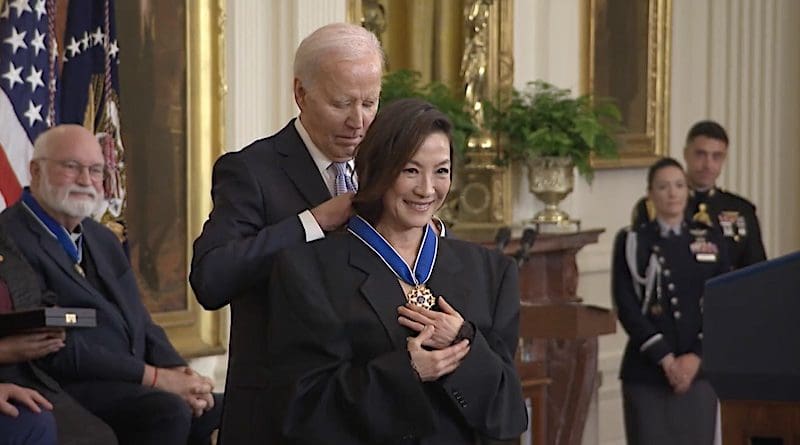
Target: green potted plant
(554,132)
(406,83)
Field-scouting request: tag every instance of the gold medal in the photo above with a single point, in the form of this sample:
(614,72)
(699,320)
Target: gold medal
(421,296)
(656,310)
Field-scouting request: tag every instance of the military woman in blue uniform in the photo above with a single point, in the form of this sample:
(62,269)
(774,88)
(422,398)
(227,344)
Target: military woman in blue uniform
(659,270)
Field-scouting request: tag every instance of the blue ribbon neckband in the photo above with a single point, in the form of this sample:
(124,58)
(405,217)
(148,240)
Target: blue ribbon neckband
(419,295)
(73,248)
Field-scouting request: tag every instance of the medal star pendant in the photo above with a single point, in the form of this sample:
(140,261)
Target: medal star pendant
(421,296)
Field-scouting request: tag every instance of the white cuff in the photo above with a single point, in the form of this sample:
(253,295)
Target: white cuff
(651,341)
(311,226)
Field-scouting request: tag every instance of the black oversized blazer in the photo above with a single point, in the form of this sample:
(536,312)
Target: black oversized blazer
(339,370)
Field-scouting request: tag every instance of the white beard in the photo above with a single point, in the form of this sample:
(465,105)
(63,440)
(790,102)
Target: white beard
(59,199)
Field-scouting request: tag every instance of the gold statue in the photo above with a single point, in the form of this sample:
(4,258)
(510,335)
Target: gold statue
(475,59)
(374,18)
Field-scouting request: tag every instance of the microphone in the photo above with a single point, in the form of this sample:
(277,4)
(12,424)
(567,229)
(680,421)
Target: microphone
(502,238)
(525,244)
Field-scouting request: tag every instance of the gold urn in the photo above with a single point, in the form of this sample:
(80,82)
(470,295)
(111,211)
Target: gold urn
(551,179)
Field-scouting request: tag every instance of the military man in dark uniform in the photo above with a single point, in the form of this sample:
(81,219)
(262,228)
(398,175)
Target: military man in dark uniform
(734,216)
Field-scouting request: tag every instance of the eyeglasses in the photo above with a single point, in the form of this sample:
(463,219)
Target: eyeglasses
(73,169)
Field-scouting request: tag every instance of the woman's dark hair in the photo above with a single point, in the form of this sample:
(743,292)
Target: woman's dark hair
(709,129)
(661,163)
(394,137)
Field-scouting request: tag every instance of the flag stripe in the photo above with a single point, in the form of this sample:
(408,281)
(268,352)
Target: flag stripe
(9,185)
(16,152)
(23,96)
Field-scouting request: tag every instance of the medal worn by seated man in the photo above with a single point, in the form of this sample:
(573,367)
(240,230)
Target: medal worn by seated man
(732,215)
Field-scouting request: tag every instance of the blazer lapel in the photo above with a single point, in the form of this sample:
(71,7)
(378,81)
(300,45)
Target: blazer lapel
(50,245)
(383,292)
(300,167)
(107,274)
(445,280)
(381,289)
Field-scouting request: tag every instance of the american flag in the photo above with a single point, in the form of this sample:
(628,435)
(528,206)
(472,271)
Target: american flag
(27,90)
(35,94)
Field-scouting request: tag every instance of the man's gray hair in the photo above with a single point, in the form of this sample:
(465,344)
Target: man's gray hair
(342,40)
(42,145)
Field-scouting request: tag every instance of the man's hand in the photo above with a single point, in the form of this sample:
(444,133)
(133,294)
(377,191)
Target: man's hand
(25,396)
(430,365)
(205,401)
(333,213)
(193,388)
(446,324)
(25,347)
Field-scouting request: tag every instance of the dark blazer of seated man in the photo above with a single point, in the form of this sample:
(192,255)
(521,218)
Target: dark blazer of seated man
(54,416)
(125,370)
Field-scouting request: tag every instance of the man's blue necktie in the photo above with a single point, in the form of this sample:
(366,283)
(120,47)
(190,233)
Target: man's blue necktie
(343,182)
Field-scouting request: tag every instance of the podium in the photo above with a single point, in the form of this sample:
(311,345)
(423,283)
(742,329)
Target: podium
(557,358)
(751,351)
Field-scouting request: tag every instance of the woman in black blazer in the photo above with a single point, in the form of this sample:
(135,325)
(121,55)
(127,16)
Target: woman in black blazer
(658,275)
(388,333)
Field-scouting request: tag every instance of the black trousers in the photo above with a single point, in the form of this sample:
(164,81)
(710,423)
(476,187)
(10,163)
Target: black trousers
(76,425)
(144,416)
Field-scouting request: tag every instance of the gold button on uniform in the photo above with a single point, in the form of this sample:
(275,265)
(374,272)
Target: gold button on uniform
(1,258)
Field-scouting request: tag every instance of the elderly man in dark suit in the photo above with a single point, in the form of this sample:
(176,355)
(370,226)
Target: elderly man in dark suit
(283,191)
(33,407)
(125,370)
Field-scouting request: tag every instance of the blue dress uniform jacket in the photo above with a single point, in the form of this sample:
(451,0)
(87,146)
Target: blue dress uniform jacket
(339,371)
(734,216)
(670,321)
